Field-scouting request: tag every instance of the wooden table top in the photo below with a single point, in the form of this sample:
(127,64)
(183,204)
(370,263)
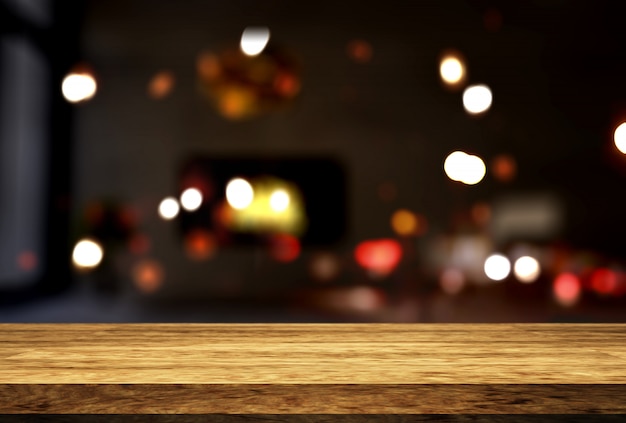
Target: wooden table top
(312,368)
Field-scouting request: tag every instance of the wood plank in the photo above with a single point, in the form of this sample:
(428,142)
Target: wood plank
(312,368)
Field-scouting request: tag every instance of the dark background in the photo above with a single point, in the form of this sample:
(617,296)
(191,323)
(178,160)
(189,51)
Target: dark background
(557,69)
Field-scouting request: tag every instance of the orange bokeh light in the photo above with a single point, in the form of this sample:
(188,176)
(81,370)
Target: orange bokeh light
(360,51)
(161,85)
(148,275)
(200,244)
(504,168)
(284,247)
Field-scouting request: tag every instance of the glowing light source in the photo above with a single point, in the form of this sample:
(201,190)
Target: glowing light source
(325,266)
(566,289)
(87,254)
(279,200)
(379,256)
(148,275)
(465,168)
(360,51)
(452,281)
(451,70)
(497,267)
(504,168)
(200,244)
(526,269)
(620,138)
(285,248)
(169,208)
(254,40)
(477,99)
(405,222)
(604,281)
(77,87)
(191,199)
(239,193)
(161,84)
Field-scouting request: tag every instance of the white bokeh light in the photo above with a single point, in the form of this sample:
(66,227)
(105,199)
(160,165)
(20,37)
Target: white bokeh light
(254,39)
(620,138)
(87,254)
(451,70)
(526,269)
(78,87)
(169,208)
(279,200)
(477,99)
(239,193)
(191,199)
(465,168)
(497,267)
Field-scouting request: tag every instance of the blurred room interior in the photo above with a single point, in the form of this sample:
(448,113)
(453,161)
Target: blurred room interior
(280,161)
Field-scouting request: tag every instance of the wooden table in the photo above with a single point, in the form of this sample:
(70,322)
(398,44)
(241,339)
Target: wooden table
(313,368)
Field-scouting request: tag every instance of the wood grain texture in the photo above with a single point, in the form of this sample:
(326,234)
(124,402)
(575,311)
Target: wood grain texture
(313,368)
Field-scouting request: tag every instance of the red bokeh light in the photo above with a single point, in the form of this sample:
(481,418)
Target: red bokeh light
(604,281)
(567,288)
(284,248)
(200,244)
(380,256)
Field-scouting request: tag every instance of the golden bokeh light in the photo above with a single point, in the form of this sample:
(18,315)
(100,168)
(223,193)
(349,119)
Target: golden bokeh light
(254,40)
(191,199)
(452,70)
(169,208)
(526,269)
(497,267)
(239,193)
(465,168)
(405,222)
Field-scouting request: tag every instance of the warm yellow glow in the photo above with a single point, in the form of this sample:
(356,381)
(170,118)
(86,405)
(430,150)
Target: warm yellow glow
(169,208)
(526,269)
(191,199)
(620,138)
(254,40)
(87,254)
(497,267)
(477,99)
(404,222)
(451,70)
(465,168)
(239,193)
(279,200)
(78,87)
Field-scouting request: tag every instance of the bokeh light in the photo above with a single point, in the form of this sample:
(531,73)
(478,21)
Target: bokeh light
(284,247)
(239,193)
(325,267)
(604,281)
(279,200)
(148,276)
(191,199)
(504,168)
(169,208)
(27,260)
(364,298)
(452,281)
(380,256)
(87,254)
(77,87)
(360,51)
(161,85)
(452,70)
(465,168)
(526,269)
(477,99)
(497,267)
(566,289)
(200,244)
(254,40)
(620,137)
(404,222)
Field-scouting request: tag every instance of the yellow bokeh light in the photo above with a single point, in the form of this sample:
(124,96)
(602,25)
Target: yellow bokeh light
(77,87)
(87,254)
(620,138)
(404,222)
(254,40)
(465,168)
(451,70)
(477,99)
(239,193)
